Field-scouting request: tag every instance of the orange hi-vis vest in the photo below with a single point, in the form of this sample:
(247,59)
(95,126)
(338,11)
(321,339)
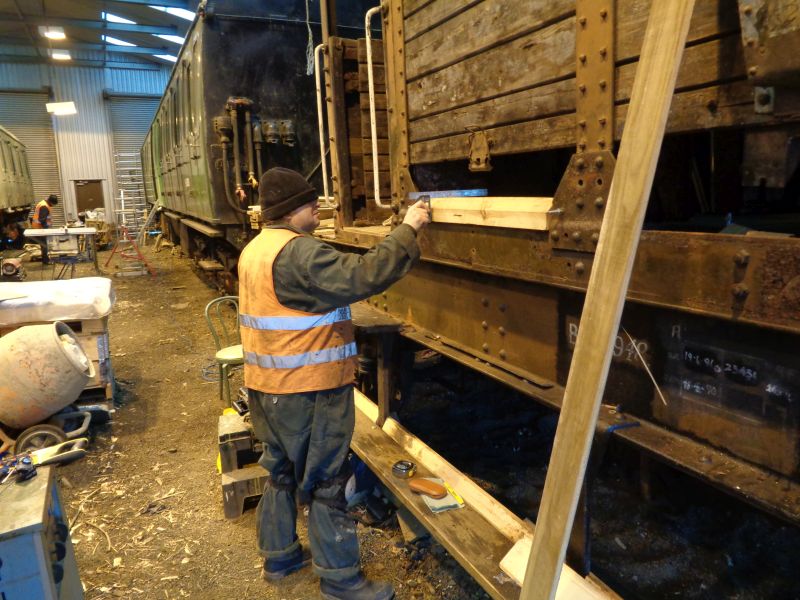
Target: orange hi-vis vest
(288,351)
(36,221)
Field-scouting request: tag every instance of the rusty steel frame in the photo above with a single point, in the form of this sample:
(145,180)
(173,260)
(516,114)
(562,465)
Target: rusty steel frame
(744,279)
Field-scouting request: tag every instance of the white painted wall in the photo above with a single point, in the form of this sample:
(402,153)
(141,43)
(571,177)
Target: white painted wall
(84,141)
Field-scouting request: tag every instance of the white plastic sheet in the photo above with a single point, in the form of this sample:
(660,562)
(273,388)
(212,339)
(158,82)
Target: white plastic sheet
(63,300)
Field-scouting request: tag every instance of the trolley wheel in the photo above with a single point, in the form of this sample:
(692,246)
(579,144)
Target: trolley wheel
(38,437)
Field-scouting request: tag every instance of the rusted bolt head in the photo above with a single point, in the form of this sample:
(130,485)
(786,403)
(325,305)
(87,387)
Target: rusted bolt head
(602,120)
(502,330)
(554,234)
(582,145)
(742,258)
(752,71)
(485,347)
(740,291)
(485,301)
(595,237)
(582,58)
(502,307)
(579,202)
(580,163)
(580,268)
(485,325)
(603,52)
(601,142)
(764,98)
(603,84)
(603,13)
(582,21)
(747,10)
(599,202)
(582,88)
(503,354)
(751,42)
(598,161)
(576,236)
(582,123)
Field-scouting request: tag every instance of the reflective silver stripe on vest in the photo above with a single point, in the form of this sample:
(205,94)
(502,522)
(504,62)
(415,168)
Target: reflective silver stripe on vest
(295,361)
(295,323)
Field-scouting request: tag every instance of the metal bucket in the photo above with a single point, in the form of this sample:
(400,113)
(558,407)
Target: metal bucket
(43,370)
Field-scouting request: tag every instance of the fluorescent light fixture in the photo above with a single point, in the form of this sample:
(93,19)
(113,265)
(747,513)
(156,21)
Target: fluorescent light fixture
(178,12)
(175,39)
(51,32)
(168,57)
(61,108)
(115,41)
(112,18)
(60,54)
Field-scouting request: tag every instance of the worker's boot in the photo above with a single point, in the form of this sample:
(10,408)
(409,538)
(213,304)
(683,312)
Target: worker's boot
(357,587)
(278,568)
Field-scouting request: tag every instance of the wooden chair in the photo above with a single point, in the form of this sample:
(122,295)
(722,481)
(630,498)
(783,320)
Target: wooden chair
(222,315)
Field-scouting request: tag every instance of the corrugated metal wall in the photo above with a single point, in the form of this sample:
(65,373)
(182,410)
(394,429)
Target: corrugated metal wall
(25,116)
(130,120)
(84,141)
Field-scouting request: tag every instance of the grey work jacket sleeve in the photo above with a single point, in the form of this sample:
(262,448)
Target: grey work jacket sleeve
(313,276)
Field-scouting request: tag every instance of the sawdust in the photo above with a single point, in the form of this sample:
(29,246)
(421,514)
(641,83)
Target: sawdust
(146,504)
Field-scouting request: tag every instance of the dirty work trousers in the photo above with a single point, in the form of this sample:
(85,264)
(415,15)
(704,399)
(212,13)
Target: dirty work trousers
(306,440)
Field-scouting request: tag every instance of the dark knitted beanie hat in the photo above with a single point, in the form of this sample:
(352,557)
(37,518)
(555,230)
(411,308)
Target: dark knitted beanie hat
(282,190)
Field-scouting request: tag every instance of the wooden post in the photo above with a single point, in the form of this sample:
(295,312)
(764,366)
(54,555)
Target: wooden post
(386,388)
(654,85)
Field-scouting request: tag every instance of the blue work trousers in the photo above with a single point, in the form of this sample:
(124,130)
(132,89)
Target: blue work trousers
(306,440)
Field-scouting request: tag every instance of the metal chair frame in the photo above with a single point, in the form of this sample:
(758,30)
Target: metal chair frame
(224,337)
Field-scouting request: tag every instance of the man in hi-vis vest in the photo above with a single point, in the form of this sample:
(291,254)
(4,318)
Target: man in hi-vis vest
(43,219)
(300,363)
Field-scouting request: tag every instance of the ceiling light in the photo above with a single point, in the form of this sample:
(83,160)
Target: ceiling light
(178,12)
(111,18)
(116,41)
(171,38)
(168,57)
(60,55)
(61,108)
(53,33)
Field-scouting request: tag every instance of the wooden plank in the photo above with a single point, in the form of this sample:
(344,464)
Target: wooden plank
(707,64)
(510,67)
(515,213)
(383,160)
(377,51)
(370,443)
(337,130)
(422,15)
(664,41)
(727,105)
(539,57)
(380,102)
(483,26)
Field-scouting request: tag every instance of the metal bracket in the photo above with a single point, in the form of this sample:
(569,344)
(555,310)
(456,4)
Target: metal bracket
(479,158)
(771,38)
(594,76)
(579,204)
(764,100)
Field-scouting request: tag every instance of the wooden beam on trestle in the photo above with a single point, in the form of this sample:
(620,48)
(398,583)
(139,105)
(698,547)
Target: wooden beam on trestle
(653,88)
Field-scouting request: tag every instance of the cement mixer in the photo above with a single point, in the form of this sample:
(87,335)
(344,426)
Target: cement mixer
(44,370)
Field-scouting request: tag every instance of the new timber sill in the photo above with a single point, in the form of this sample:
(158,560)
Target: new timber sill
(479,535)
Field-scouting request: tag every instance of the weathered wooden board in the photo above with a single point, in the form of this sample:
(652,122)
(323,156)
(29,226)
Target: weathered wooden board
(726,105)
(485,25)
(483,520)
(515,213)
(664,41)
(539,57)
(706,64)
(377,51)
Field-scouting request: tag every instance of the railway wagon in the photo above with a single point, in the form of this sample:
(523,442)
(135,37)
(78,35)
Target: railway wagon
(526,100)
(240,100)
(16,186)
